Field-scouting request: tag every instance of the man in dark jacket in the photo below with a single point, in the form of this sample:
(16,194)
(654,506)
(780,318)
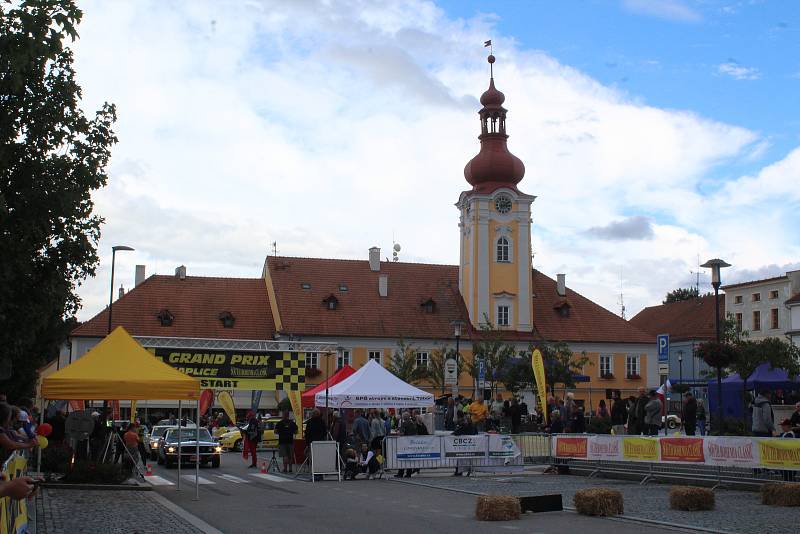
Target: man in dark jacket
(515,414)
(619,414)
(408,427)
(464,428)
(637,417)
(315,428)
(690,414)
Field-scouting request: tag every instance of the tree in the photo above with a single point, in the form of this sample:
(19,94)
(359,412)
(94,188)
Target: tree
(403,363)
(436,366)
(680,294)
(495,352)
(519,374)
(561,364)
(52,158)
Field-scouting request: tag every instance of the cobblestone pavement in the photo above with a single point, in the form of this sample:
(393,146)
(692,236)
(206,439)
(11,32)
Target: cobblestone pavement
(736,511)
(108,512)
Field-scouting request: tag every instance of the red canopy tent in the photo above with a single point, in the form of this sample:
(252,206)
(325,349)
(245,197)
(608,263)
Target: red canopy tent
(307,398)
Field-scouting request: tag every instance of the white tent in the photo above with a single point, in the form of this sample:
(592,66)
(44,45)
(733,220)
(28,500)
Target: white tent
(372,386)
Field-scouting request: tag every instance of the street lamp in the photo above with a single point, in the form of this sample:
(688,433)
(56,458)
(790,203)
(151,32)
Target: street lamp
(680,378)
(715,265)
(458,324)
(114,250)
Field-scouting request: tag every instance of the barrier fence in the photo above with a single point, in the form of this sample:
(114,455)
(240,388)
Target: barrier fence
(430,452)
(14,513)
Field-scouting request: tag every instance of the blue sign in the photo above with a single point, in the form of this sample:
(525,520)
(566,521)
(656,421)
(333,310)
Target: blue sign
(481,374)
(663,347)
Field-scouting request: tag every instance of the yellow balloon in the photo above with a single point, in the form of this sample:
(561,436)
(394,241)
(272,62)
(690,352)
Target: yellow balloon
(42,442)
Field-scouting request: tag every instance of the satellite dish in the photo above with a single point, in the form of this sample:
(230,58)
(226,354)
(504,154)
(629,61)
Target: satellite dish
(397,247)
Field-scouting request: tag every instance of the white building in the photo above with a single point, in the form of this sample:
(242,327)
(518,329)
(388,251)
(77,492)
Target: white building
(766,308)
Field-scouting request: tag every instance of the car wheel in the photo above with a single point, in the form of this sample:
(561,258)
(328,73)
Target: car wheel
(671,424)
(215,461)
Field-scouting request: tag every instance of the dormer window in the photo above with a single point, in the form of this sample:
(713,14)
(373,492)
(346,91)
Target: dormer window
(429,306)
(330,302)
(305,286)
(165,317)
(562,307)
(227,319)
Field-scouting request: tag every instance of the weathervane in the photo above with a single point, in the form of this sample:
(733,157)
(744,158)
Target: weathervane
(491,57)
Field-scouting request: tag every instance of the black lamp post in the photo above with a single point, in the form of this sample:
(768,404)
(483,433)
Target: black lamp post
(457,326)
(680,378)
(114,250)
(715,265)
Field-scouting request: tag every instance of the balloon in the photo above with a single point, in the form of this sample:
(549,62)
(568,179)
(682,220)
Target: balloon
(45,429)
(42,442)
(206,399)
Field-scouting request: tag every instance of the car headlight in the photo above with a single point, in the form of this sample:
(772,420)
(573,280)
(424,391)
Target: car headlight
(170,449)
(217,449)
(153,444)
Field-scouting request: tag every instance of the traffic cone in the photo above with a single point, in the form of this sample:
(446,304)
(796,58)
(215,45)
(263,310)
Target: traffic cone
(149,470)
(263,467)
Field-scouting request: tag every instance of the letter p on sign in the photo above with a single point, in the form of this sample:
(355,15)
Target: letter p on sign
(663,347)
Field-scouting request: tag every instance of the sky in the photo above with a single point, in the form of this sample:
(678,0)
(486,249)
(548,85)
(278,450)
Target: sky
(653,132)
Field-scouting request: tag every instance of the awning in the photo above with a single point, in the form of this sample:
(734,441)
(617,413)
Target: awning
(372,386)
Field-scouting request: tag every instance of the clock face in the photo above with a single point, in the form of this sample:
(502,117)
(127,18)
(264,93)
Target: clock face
(502,204)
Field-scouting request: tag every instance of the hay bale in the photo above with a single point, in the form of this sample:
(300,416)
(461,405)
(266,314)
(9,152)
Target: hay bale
(780,494)
(691,499)
(497,508)
(598,501)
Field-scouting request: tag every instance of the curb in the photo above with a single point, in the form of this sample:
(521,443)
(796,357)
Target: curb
(190,518)
(103,487)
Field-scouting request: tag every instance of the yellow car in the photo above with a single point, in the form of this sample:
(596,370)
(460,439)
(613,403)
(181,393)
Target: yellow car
(233,440)
(220,430)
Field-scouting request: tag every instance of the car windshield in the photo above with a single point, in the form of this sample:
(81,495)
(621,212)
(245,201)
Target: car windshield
(187,434)
(158,431)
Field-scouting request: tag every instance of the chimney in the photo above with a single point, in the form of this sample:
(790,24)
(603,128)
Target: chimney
(139,275)
(180,272)
(375,259)
(121,291)
(383,285)
(561,286)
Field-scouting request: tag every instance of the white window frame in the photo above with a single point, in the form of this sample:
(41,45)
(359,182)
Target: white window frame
(312,360)
(506,249)
(422,356)
(343,358)
(636,367)
(600,366)
(372,353)
(507,308)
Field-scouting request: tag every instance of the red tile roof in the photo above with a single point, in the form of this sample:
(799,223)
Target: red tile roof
(754,282)
(794,300)
(687,319)
(195,303)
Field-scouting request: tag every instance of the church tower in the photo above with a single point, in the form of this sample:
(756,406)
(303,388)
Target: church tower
(495,227)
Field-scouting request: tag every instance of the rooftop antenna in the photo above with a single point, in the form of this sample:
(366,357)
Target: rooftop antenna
(395,249)
(274,248)
(621,297)
(697,277)
(491,56)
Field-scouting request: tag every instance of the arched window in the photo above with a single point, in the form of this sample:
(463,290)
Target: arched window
(503,250)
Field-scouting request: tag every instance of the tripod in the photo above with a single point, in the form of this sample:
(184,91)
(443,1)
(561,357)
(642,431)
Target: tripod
(273,463)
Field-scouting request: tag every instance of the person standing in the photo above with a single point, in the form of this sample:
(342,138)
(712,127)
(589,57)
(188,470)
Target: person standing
(763,418)
(478,413)
(602,410)
(131,441)
(652,417)
(639,413)
(515,414)
(619,414)
(285,429)
(794,420)
(361,429)
(464,428)
(377,430)
(689,414)
(252,435)
(408,427)
(701,417)
(450,414)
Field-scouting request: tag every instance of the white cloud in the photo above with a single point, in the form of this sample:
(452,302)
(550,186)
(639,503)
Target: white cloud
(663,9)
(738,72)
(330,128)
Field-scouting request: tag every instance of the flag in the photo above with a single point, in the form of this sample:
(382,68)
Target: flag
(255,399)
(662,389)
(668,385)
(133,411)
(297,408)
(487,43)
(226,401)
(541,385)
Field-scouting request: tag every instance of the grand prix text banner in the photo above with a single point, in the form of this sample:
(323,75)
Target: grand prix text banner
(418,448)
(465,446)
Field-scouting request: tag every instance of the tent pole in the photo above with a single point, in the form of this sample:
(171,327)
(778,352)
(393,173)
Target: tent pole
(197,456)
(39,449)
(179,446)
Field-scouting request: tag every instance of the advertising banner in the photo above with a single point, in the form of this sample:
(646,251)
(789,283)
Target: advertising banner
(268,371)
(419,448)
(780,453)
(682,450)
(501,446)
(571,447)
(605,448)
(731,451)
(641,449)
(13,512)
(465,446)
(537,363)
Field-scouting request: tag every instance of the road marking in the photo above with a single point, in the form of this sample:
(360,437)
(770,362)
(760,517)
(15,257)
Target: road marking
(156,480)
(190,478)
(271,478)
(231,478)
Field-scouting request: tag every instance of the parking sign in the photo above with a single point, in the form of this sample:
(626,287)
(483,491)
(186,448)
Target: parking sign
(663,347)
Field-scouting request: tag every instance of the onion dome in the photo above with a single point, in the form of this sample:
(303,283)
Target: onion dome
(494,166)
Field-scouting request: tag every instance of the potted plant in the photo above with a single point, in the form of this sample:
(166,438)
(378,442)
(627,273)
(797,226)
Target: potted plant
(633,376)
(312,372)
(607,376)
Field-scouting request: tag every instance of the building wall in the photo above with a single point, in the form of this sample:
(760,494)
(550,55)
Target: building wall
(765,306)
(795,323)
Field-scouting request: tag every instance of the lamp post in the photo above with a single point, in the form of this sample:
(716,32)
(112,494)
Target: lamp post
(680,378)
(114,250)
(457,326)
(715,265)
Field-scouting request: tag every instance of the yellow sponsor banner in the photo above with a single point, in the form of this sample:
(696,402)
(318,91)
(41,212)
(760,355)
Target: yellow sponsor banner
(226,401)
(133,411)
(13,513)
(297,408)
(541,385)
(644,449)
(780,452)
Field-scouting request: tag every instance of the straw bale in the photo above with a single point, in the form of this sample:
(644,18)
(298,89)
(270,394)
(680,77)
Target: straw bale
(691,499)
(497,508)
(777,494)
(598,501)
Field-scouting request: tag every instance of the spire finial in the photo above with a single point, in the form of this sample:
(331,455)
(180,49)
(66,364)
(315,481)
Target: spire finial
(490,59)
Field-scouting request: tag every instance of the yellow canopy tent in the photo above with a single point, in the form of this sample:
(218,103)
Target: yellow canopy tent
(119,368)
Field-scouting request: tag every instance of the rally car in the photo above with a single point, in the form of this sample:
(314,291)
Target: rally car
(169,454)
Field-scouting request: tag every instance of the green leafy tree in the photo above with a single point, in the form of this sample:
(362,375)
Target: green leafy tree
(682,293)
(403,363)
(519,375)
(561,364)
(51,159)
(495,352)
(436,366)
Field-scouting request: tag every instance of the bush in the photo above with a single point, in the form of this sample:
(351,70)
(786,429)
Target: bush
(84,472)
(598,501)
(497,508)
(691,499)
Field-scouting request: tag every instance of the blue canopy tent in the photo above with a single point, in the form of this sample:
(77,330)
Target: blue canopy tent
(764,377)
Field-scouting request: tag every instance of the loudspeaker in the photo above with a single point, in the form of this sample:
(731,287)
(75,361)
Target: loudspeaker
(541,503)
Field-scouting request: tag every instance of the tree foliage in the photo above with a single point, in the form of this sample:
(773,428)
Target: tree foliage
(403,363)
(682,293)
(51,159)
(436,366)
(561,364)
(495,352)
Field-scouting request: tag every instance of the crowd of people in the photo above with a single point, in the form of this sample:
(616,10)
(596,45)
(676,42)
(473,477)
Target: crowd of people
(17,433)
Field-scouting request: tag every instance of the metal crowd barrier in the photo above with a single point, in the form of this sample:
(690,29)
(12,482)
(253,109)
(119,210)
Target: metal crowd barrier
(487,462)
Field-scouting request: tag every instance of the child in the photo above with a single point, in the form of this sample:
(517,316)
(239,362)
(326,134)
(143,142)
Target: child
(351,464)
(369,461)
